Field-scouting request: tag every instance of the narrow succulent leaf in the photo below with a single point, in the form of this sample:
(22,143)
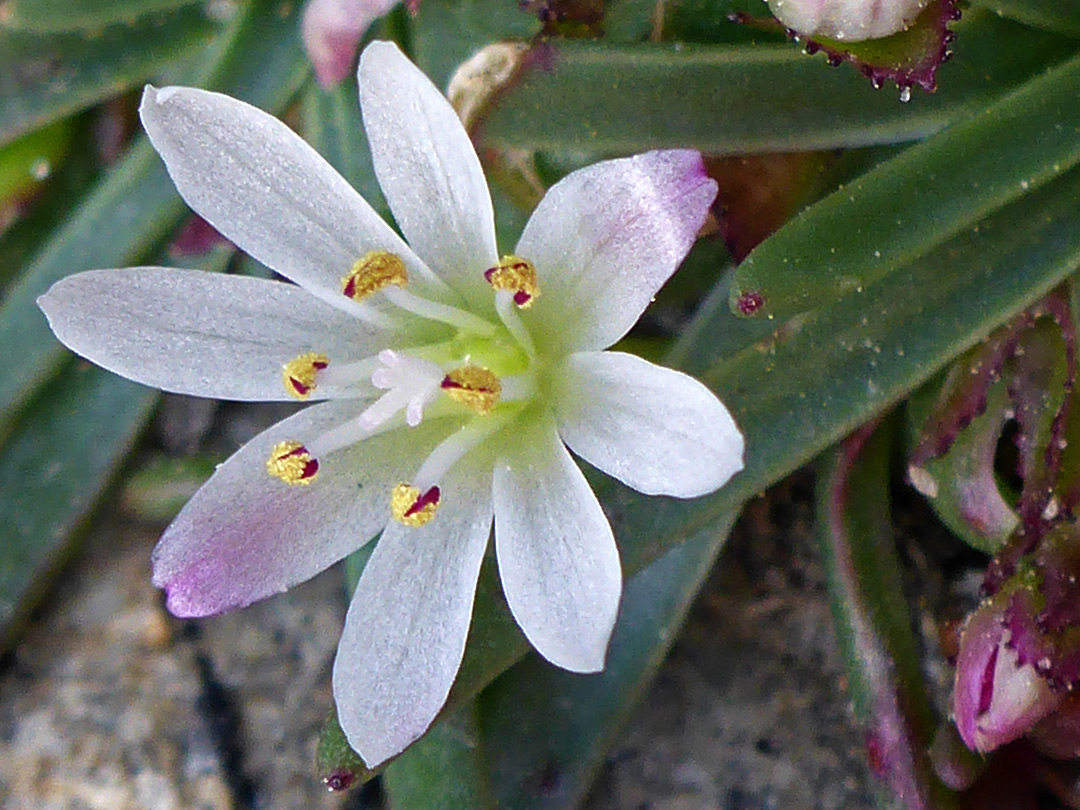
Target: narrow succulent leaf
(872,620)
(961,485)
(135,207)
(46,16)
(737,99)
(446,768)
(1041,380)
(27,162)
(904,207)
(1068,487)
(338,766)
(158,490)
(52,472)
(1053,15)
(43,78)
(908,58)
(331,123)
(546,731)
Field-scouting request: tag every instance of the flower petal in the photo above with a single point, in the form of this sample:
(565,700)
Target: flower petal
(428,170)
(656,430)
(246,535)
(605,238)
(557,556)
(331,30)
(203,334)
(405,632)
(265,189)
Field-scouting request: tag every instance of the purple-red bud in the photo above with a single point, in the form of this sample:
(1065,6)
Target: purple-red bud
(996,699)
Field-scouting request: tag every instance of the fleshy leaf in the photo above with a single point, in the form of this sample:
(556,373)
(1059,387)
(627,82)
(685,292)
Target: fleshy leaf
(872,621)
(961,485)
(908,58)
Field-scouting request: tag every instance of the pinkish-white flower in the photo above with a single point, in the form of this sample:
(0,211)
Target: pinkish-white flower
(454,381)
(847,20)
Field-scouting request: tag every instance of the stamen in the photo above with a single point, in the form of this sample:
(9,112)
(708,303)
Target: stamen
(443,313)
(300,372)
(372,272)
(474,387)
(411,508)
(292,463)
(516,275)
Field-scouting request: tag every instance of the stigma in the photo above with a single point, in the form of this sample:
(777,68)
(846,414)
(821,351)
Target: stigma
(372,272)
(299,373)
(410,507)
(517,275)
(292,463)
(474,387)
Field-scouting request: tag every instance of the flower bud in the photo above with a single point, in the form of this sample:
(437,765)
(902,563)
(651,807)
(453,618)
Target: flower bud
(996,698)
(847,20)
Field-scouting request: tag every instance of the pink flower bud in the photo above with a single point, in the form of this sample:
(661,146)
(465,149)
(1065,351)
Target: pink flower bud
(996,699)
(847,20)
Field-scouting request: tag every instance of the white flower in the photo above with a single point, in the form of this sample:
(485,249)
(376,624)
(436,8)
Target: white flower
(452,379)
(848,20)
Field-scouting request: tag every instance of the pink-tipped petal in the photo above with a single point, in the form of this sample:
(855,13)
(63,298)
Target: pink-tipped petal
(557,556)
(605,238)
(405,632)
(246,535)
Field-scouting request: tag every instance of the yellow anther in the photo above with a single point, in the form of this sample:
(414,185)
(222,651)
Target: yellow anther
(372,272)
(411,508)
(474,387)
(300,372)
(292,463)
(517,275)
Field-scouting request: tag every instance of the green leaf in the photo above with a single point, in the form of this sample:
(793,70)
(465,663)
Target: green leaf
(905,206)
(28,161)
(158,490)
(961,485)
(546,731)
(737,99)
(72,15)
(443,769)
(54,467)
(1052,15)
(46,78)
(135,207)
(872,620)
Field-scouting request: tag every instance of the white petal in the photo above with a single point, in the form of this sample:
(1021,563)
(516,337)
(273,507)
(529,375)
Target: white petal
(265,189)
(605,238)
(405,632)
(656,430)
(428,170)
(331,30)
(557,556)
(204,334)
(246,535)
